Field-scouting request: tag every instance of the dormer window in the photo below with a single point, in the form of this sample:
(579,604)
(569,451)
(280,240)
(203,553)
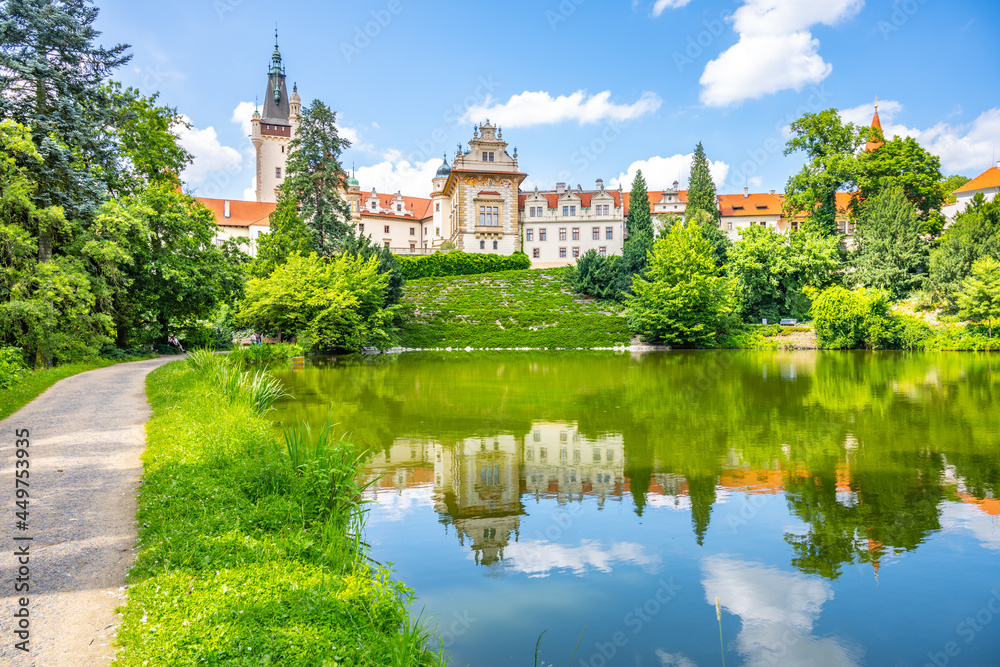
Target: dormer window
(399,207)
(487,157)
(737,208)
(761,207)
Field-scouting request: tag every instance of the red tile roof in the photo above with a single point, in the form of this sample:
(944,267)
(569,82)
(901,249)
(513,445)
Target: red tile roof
(876,125)
(753,204)
(988,179)
(419,206)
(552,198)
(241,213)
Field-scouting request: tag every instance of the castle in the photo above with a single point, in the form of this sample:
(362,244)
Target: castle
(476,204)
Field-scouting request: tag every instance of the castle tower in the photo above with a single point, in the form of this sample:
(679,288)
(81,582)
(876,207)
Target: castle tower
(274,129)
(875,142)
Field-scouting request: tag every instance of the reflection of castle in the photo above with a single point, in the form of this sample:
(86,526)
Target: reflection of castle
(558,461)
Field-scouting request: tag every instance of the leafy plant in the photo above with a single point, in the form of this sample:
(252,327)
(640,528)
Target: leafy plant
(846,319)
(457,263)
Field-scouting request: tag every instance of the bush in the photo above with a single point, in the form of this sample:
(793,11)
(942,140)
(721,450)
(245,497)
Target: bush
(847,320)
(596,275)
(128,354)
(460,264)
(12,367)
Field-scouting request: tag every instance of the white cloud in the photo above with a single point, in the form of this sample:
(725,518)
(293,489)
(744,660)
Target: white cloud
(354,136)
(661,172)
(674,659)
(250,194)
(532,108)
(214,164)
(966,149)
(537,558)
(242,115)
(662,5)
(775,51)
(394,174)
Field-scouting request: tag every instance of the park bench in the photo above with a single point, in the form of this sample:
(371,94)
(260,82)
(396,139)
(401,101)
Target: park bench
(789,323)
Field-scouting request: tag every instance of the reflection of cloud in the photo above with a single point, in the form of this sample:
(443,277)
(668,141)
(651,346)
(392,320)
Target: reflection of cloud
(398,505)
(537,557)
(674,659)
(778,610)
(969,517)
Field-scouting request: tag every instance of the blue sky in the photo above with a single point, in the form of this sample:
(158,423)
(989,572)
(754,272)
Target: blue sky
(584,89)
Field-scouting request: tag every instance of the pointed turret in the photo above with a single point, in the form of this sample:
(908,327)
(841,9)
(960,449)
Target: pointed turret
(276,103)
(876,141)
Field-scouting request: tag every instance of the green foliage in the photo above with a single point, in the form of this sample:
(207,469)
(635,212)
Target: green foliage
(975,234)
(266,353)
(532,308)
(12,367)
(327,305)
(890,253)
(908,166)
(948,186)
(459,263)
(979,300)
(640,217)
(719,240)
(683,299)
(701,188)
(288,236)
(847,320)
(596,275)
(314,177)
(240,558)
(773,271)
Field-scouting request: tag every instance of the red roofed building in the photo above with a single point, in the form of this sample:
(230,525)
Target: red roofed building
(986,184)
(875,142)
(240,219)
(561,225)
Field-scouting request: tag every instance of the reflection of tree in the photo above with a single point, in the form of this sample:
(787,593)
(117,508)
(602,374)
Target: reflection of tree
(884,426)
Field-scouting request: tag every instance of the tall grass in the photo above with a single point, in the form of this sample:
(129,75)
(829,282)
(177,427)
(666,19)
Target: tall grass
(263,354)
(260,390)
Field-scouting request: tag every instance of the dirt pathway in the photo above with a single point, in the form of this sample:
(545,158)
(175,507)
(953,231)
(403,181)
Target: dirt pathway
(86,435)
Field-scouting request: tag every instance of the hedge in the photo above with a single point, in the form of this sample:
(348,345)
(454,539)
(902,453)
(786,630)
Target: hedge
(457,263)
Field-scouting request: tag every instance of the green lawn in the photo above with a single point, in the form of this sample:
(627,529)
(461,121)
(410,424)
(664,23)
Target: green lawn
(531,308)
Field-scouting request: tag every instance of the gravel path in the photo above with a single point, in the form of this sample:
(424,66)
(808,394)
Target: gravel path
(87,433)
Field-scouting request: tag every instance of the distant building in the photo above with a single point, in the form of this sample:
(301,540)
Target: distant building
(561,225)
(986,184)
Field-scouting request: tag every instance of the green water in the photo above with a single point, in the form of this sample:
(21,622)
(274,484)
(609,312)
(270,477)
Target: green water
(843,507)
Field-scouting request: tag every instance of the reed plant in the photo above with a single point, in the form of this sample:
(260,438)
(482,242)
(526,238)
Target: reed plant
(203,360)
(264,354)
(262,390)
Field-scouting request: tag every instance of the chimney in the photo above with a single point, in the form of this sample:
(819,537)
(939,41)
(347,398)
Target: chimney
(998,164)
(676,184)
(772,192)
(560,188)
(227,213)
(746,192)
(600,184)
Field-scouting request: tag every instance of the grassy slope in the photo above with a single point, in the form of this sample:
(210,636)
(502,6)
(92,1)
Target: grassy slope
(532,308)
(232,568)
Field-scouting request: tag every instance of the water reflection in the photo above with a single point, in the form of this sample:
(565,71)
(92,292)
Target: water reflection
(871,453)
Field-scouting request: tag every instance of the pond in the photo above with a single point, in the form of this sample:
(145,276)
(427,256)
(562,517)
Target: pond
(843,507)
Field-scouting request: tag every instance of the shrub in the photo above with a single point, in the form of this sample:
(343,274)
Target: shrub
(597,275)
(847,320)
(12,367)
(460,264)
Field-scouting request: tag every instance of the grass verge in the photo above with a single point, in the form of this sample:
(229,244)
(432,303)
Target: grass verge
(248,556)
(530,308)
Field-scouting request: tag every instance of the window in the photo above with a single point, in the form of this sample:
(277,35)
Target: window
(529,234)
(597,233)
(485,154)
(425,231)
(487,157)
(562,252)
(565,211)
(491,157)
(399,207)
(562,233)
(609,233)
(482,245)
(386,244)
(542,234)
(437,206)
(572,210)
(361,227)
(576,233)
(437,231)
(489,216)
(413,246)
(282,149)
(413,231)
(386,229)
(277,172)
(602,251)
(494,245)
(729,225)
(536,253)
(576,252)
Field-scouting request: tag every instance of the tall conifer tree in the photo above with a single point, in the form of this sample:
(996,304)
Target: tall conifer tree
(701,188)
(640,219)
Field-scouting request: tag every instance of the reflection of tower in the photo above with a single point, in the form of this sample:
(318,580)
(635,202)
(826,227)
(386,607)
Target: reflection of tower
(481,494)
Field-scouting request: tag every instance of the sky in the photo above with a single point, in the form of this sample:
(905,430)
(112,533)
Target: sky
(584,89)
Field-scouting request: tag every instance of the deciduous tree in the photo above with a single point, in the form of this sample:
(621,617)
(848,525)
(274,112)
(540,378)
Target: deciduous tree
(979,300)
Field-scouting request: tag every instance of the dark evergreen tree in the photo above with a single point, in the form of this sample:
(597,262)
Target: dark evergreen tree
(640,217)
(289,236)
(702,492)
(701,188)
(315,178)
(51,74)
(890,252)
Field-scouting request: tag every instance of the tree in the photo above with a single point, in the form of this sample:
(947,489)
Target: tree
(288,236)
(772,272)
(640,217)
(975,234)
(51,74)
(683,299)
(948,186)
(979,299)
(314,177)
(718,239)
(701,189)
(830,146)
(596,275)
(915,170)
(890,252)
(170,271)
(329,305)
